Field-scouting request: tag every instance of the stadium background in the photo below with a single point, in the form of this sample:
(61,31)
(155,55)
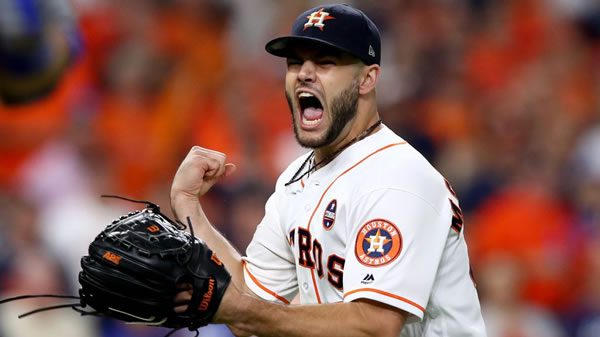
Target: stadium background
(501,95)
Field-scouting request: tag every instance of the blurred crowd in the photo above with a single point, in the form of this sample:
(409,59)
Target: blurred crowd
(502,96)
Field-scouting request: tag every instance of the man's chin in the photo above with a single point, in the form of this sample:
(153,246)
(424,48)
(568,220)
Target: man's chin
(310,142)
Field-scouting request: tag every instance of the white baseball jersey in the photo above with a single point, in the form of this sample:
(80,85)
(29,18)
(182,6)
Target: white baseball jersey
(378,222)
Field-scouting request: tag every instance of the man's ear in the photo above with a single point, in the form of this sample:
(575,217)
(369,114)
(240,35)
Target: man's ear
(370,76)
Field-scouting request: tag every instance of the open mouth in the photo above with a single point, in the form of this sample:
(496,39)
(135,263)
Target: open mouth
(311,109)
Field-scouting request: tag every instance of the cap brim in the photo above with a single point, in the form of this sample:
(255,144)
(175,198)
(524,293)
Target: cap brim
(283,46)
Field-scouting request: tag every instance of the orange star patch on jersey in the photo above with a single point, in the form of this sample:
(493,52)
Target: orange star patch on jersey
(378,243)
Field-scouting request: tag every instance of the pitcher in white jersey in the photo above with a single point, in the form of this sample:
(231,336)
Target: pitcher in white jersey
(362,229)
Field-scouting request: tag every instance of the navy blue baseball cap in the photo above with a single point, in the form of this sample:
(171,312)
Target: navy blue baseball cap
(339,26)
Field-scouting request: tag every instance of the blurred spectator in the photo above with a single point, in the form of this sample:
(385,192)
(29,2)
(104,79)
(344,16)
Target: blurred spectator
(528,223)
(504,311)
(583,315)
(65,183)
(128,124)
(585,178)
(32,268)
(43,72)
(38,42)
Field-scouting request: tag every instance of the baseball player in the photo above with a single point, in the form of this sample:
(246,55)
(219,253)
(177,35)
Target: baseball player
(362,229)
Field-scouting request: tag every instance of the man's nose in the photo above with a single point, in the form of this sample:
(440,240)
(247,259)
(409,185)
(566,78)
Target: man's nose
(307,72)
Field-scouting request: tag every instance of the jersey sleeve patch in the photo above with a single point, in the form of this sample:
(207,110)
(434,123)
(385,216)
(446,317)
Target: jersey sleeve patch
(378,243)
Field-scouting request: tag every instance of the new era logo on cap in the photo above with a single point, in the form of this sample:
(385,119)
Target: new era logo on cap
(339,26)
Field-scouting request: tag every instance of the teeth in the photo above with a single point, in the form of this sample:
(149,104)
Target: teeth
(305,94)
(309,122)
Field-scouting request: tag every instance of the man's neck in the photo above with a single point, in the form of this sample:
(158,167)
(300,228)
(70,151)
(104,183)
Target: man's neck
(326,154)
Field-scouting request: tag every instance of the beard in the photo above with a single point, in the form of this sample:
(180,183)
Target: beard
(344,107)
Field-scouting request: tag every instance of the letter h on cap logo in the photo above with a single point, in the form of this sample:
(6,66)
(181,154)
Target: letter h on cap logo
(317,19)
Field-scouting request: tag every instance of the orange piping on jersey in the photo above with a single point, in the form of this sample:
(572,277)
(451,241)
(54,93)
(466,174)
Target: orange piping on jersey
(312,274)
(386,294)
(267,290)
(312,271)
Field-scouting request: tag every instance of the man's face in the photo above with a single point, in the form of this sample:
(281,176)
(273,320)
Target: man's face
(322,92)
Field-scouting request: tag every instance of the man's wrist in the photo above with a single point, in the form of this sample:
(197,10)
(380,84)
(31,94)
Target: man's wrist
(230,307)
(182,196)
(182,200)
(186,205)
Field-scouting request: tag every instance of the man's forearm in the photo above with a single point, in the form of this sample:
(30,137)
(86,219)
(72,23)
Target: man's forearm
(265,319)
(185,206)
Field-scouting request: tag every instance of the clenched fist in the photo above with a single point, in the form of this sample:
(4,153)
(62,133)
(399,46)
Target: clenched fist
(199,171)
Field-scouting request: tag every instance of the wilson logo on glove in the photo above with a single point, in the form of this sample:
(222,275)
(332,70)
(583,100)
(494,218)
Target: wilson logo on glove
(204,305)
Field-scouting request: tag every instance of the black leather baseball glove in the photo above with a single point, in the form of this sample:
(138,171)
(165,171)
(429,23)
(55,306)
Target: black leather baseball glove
(137,265)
